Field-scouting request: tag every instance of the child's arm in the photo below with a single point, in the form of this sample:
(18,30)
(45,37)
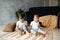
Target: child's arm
(30,27)
(25,30)
(17,28)
(27,25)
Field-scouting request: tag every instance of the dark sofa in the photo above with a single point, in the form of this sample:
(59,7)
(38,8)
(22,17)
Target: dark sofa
(42,11)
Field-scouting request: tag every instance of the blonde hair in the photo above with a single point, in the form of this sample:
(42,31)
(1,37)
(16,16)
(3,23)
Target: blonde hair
(36,15)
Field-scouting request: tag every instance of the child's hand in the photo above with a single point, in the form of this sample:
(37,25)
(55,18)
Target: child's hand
(20,29)
(46,32)
(30,27)
(17,28)
(41,27)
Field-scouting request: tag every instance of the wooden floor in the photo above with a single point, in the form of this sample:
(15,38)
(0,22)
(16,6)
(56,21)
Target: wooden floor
(56,34)
(16,36)
(53,35)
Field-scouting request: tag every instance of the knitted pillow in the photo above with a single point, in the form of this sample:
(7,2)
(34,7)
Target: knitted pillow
(10,27)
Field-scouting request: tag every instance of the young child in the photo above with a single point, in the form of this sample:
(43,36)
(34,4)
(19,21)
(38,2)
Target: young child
(20,25)
(35,26)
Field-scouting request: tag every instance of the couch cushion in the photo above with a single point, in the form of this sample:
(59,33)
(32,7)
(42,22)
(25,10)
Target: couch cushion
(10,27)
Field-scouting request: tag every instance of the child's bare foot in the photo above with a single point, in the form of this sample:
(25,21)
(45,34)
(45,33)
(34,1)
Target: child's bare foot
(37,34)
(42,35)
(22,33)
(27,33)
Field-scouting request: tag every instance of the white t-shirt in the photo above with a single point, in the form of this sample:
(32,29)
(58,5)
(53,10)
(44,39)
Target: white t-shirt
(35,25)
(21,25)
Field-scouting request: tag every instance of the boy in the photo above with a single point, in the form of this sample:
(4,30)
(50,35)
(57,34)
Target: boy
(35,26)
(20,25)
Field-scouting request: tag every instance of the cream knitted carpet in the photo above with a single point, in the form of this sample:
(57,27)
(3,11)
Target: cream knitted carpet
(16,36)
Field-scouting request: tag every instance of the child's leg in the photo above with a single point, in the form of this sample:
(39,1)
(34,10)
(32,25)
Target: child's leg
(41,31)
(18,31)
(22,32)
(32,31)
(28,29)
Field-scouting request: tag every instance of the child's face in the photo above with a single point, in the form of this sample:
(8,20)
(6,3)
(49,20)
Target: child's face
(36,19)
(21,20)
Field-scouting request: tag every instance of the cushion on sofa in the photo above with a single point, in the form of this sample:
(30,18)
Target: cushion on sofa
(10,27)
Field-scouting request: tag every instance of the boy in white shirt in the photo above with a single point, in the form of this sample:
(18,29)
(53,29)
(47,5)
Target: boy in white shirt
(20,25)
(35,26)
